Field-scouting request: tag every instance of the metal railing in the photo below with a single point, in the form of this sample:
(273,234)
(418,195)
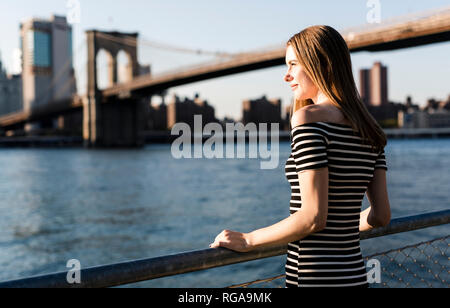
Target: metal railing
(148,269)
(423,264)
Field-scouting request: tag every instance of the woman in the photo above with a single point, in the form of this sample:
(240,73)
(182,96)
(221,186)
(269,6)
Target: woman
(337,156)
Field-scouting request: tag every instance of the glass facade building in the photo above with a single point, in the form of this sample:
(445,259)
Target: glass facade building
(40,48)
(47,65)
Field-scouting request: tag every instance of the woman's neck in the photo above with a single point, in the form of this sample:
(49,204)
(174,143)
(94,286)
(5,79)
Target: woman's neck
(320,98)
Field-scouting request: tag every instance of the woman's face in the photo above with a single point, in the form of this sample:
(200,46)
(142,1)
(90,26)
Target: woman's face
(300,83)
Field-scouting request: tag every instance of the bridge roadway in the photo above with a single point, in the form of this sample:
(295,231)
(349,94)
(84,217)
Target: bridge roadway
(51,110)
(428,30)
(404,35)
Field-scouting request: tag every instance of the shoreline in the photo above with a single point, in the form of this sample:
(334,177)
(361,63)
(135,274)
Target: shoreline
(165,137)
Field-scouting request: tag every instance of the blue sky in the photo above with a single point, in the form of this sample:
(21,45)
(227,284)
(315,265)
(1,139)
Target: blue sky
(237,26)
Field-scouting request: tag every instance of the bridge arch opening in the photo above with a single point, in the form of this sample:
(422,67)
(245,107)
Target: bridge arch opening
(104,69)
(124,67)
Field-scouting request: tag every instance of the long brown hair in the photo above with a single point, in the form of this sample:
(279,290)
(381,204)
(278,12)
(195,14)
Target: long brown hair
(325,57)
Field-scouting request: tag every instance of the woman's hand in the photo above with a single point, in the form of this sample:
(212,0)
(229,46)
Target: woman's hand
(236,241)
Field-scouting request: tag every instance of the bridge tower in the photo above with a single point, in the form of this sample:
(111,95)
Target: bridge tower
(116,121)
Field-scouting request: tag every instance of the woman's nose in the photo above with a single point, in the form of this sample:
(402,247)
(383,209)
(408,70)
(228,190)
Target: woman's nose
(288,78)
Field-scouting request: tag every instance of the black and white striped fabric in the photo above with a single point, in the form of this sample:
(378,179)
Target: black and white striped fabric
(331,257)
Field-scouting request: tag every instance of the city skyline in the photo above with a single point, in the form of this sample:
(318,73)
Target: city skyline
(226,94)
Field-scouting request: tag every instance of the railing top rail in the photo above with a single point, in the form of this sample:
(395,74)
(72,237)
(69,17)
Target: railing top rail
(147,269)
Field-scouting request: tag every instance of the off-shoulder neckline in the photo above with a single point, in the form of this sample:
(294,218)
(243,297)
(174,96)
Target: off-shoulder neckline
(337,124)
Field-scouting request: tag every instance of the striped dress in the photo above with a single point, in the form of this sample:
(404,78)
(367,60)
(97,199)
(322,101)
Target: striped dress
(331,257)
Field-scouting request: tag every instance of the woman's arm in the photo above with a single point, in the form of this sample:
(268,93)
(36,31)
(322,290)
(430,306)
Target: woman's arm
(379,212)
(311,218)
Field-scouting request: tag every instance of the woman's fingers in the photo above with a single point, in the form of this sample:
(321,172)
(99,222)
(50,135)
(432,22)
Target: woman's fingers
(231,240)
(220,239)
(216,245)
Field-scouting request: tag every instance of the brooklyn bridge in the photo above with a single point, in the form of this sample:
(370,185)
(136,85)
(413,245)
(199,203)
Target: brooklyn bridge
(113,116)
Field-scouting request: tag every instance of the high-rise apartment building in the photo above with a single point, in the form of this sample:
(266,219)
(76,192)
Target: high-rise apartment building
(10,92)
(262,110)
(364,81)
(47,66)
(374,85)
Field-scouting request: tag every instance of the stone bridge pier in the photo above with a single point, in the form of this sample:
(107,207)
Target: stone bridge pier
(116,121)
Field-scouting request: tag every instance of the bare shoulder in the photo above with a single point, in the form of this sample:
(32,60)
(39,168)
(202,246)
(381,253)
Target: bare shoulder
(318,113)
(305,115)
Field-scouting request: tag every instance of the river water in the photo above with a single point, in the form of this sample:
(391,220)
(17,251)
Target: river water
(108,206)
